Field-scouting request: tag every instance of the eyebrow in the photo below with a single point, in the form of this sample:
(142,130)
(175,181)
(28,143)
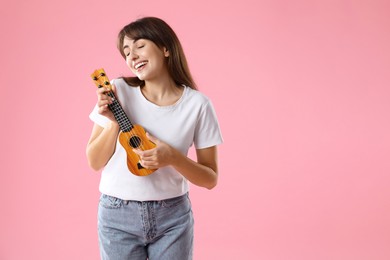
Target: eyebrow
(127,46)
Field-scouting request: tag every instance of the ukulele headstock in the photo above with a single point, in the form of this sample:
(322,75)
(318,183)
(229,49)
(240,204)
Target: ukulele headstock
(100,78)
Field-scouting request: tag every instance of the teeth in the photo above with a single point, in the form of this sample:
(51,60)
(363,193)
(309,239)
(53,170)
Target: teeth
(139,64)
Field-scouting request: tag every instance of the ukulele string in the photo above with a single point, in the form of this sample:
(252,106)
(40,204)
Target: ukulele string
(126,125)
(135,139)
(132,140)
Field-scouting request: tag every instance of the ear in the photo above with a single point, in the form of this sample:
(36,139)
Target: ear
(166,52)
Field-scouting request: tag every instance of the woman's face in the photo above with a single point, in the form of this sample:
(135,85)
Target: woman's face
(144,58)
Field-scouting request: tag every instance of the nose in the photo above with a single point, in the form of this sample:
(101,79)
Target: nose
(133,55)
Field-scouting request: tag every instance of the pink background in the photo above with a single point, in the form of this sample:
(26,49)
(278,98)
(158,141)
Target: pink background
(301,89)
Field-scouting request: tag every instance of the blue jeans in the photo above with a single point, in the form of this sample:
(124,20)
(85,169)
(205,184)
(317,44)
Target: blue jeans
(151,230)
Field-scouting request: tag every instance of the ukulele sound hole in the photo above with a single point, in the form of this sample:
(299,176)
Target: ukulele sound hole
(135,141)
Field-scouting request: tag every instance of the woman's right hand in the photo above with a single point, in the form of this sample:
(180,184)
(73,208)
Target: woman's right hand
(104,100)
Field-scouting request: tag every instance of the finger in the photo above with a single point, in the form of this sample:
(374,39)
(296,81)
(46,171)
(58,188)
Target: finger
(102,94)
(152,138)
(144,153)
(103,105)
(144,164)
(149,164)
(103,109)
(148,158)
(139,152)
(147,153)
(101,91)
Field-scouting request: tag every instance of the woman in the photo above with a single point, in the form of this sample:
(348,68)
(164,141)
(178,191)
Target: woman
(150,217)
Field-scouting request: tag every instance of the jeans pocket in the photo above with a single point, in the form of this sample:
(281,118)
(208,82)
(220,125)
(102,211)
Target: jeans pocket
(110,202)
(174,202)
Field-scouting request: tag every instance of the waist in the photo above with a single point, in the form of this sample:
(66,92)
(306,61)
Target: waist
(167,201)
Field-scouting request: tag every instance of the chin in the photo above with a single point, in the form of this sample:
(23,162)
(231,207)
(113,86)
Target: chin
(140,77)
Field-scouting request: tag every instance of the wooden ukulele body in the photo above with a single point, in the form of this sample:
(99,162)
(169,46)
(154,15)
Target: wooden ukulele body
(136,138)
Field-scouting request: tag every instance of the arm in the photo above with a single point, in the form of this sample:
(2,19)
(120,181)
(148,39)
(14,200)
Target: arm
(101,145)
(203,173)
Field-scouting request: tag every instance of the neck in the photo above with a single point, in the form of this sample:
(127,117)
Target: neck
(162,92)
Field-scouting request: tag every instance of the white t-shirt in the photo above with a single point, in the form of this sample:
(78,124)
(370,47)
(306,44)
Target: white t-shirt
(191,120)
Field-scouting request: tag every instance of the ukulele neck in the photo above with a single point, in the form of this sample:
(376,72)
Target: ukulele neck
(119,114)
(100,78)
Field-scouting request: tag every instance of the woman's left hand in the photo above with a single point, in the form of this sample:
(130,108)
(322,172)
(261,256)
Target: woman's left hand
(160,156)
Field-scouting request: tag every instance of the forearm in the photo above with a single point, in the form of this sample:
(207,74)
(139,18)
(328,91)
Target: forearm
(101,148)
(203,173)
(197,173)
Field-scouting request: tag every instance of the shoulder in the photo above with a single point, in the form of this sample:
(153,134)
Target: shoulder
(122,86)
(124,91)
(197,97)
(120,83)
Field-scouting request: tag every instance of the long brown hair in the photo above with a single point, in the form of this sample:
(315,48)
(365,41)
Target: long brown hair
(159,32)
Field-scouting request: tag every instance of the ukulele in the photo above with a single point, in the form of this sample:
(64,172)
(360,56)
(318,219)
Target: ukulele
(130,135)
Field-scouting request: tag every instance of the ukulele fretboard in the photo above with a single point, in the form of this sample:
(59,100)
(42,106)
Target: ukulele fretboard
(101,80)
(119,114)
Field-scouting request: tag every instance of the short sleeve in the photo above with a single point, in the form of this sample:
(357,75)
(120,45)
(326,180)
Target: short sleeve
(97,118)
(207,130)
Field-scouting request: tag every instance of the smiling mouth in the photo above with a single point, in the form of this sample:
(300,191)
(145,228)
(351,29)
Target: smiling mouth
(140,65)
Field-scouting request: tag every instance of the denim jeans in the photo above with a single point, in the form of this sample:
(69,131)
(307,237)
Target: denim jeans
(154,230)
